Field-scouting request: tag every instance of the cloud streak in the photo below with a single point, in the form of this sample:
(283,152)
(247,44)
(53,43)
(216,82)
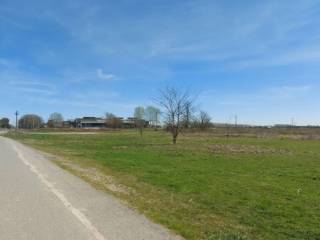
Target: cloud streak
(104,76)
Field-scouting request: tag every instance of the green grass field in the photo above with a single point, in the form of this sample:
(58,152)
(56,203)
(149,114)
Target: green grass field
(204,187)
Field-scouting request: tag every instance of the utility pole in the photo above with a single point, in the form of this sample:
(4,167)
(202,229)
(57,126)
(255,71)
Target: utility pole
(17,114)
(236,120)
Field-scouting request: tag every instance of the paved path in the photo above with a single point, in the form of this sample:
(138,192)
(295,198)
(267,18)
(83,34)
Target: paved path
(38,201)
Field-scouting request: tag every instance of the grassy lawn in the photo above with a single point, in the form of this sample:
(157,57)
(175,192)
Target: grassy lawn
(204,187)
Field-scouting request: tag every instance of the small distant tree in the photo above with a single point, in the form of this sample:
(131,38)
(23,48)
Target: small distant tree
(189,115)
(204,120)
(30,121)
(139,115)
(55,120)
(113,121)
(174,103)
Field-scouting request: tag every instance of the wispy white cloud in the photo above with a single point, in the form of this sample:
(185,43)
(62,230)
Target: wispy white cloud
(32,87)
(30,90)
(31,83)
(203,31)
(20,82)
(88,76)
(105,76)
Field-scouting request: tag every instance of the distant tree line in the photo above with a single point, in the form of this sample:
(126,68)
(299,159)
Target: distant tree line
(177,112)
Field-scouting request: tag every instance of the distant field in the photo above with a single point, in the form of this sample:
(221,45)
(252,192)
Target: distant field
(208,186)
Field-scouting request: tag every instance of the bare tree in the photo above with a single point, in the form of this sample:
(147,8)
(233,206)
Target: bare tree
(55,120)
(139,115)
(204,120)
(30,121)
(113,121)
(174,104)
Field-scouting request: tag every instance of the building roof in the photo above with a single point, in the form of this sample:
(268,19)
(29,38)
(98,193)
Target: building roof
(91,120)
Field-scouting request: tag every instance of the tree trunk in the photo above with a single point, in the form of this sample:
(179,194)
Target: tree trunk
(175,133)
(174,139)
(141,131)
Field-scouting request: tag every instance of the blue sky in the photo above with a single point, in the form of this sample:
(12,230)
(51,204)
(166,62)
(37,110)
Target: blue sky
(259,60)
